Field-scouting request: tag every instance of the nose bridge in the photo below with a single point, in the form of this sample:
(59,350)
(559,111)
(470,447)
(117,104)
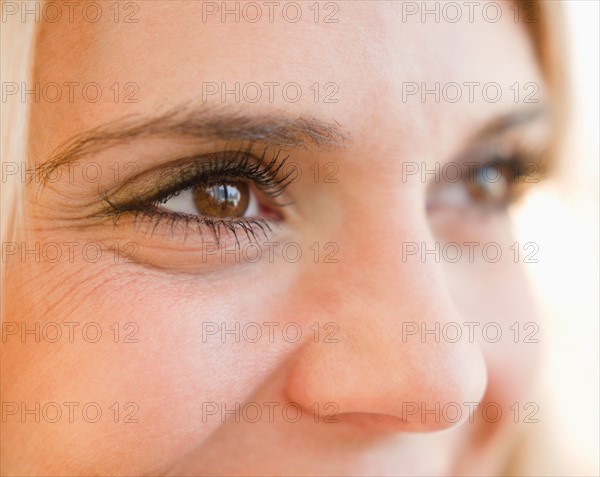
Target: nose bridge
(379,364)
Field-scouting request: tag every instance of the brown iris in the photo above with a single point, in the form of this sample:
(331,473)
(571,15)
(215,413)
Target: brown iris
(490,183)
(222,200)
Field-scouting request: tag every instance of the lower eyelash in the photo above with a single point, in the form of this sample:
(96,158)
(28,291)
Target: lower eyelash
(254,229)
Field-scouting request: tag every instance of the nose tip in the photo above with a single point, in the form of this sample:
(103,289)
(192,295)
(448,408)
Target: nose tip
(447,383)
(378,379)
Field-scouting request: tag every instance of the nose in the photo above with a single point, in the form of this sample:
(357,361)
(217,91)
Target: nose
(376,369)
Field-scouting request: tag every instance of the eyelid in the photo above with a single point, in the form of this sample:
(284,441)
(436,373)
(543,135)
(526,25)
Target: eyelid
(265,172)
(523,161)
(526,139)
(514,149)
(137,200)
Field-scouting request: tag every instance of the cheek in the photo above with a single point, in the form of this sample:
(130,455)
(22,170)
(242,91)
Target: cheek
(161,346)
(497,299)
(491,290)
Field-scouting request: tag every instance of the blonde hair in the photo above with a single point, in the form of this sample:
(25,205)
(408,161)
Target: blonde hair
(16,64)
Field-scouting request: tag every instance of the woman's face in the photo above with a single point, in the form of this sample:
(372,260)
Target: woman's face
(271,247)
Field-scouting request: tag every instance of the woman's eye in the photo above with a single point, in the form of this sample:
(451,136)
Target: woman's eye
(490,185)
(221,200)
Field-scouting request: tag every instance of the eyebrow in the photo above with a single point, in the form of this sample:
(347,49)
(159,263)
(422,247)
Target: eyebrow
(209,123)
(206,123)
(514,120)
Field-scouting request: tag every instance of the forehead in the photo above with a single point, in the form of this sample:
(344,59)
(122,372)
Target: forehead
(364,64)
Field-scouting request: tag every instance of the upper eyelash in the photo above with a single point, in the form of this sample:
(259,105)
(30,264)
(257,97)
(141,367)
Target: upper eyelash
(264,171)
(520,178)
(517,161)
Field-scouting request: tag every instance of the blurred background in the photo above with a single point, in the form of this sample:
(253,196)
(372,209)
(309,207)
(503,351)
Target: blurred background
(562,217)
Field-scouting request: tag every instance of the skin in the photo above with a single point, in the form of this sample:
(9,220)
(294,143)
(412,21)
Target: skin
(370,293)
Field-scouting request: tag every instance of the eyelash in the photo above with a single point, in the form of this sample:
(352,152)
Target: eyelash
(267,173)
(518,166)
